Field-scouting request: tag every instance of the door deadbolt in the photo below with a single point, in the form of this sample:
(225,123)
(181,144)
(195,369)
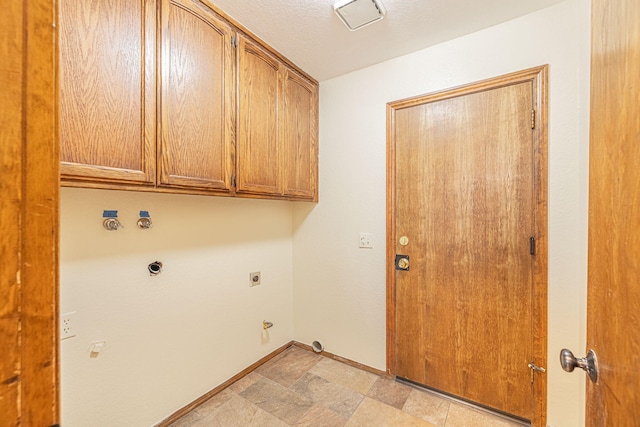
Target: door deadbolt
(402,262)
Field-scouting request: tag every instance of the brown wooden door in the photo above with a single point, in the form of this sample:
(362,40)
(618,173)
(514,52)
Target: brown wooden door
(107,99)
(613,320)
(258,146)
(299,136)
(197,98)
(465,202)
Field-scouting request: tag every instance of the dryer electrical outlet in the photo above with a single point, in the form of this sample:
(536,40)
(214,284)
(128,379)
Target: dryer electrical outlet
(254,279)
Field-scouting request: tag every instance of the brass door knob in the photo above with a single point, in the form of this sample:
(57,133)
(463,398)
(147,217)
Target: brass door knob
(589,364)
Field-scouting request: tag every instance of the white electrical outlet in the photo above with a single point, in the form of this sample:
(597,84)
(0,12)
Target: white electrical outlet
(67,327)
(366,240)
(254,279)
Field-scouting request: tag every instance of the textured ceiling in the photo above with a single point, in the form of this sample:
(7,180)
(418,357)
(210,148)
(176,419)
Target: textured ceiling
(310,34)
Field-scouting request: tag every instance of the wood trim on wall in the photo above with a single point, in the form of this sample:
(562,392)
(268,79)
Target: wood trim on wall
(538,76)
(540,271)
(29,384)
(40,220)
(11,76)
(344,360)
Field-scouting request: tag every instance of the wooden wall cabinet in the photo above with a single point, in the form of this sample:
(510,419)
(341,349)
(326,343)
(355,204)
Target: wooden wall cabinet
(216,113)
(258,163)
(277,126)
(107,101)
(197,98)
(299,136)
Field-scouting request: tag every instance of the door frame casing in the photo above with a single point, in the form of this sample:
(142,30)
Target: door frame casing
(538,77)
(29,204)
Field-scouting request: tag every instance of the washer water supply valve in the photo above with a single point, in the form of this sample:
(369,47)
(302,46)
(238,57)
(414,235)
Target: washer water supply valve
(144,221)
(110,221)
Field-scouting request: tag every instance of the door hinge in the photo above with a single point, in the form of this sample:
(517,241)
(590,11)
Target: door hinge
(533,119)
(234,42)
(535,368)
(532,245)
(233,181)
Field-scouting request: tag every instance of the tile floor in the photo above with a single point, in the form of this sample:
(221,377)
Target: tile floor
(300,388)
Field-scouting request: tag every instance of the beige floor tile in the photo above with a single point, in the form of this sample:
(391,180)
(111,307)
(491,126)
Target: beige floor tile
(187,421)
(319,416)
(238,412)
(390,392)
(243,383)
(277,400)
(289,366)
(464,416)
(427,406)
(348,376)
(214,403)
(372,413)
(299,388)
(263,419)
(334,396)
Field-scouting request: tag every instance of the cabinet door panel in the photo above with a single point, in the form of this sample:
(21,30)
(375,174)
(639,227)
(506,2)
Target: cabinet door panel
(258,163)
(197,98)
(299,136)
(107,90)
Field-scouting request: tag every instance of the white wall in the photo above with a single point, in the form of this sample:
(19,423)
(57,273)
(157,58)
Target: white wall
(173,337)
(339,289)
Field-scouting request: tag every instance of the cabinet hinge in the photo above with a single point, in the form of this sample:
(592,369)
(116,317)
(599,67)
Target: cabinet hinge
(533,119)
(234,42)
(233,181)
(532,245)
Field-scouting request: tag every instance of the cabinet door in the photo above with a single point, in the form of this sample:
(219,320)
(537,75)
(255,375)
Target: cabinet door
(107,90)
(196,98)
(258,161)
(299,136)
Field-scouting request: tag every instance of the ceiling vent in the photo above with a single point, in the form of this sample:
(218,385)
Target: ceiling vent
(359,13)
